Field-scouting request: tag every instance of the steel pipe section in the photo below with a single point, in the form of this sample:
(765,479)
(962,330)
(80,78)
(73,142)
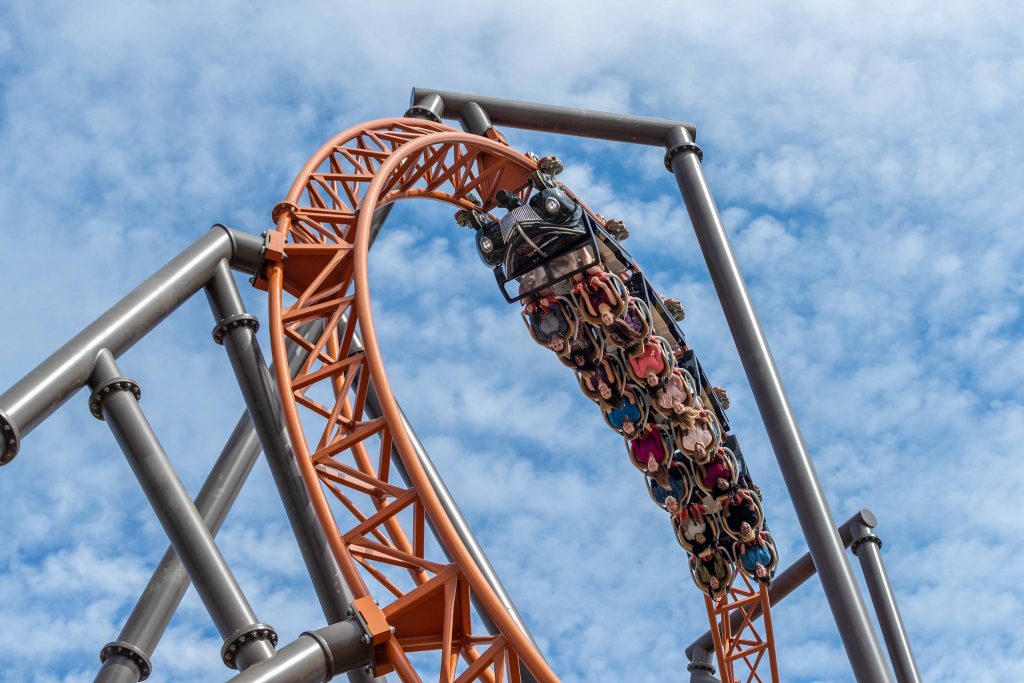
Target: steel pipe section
(868,549)
(260,394)
(115,400)
(841,591)
(784,583)
(33,398)
(152,613)
(314,656)
(547,118)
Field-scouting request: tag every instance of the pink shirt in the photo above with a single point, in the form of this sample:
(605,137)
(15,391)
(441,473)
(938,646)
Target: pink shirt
(651,360)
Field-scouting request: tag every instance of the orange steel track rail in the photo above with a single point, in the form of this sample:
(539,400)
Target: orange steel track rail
(317,270)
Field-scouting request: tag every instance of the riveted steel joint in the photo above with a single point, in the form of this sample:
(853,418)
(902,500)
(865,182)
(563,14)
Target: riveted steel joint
(10,440)
(233,322)
(130,651)
(109,387)
(867,538)
(242,636)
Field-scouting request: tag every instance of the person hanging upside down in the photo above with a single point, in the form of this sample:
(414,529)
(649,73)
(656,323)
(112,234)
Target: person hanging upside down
(670,483)
(650,365)
(711,571)
(648,448)
(718,475)
(626,332)
(549,322)
(695,435)
(597,292)
(754,553)
(622,410)
(674,393)
(741,506)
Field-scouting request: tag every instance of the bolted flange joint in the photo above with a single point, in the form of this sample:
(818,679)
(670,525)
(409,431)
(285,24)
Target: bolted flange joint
(867,538)
(130,651)
(700,666)
(242,636)
(10,440)
(682,147)
(109,387)
(233,322)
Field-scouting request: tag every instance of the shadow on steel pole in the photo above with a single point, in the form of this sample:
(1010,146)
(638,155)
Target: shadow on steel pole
(683,160)
(868,549)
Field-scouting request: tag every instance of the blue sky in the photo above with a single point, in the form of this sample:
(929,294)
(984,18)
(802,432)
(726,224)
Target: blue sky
(867,161)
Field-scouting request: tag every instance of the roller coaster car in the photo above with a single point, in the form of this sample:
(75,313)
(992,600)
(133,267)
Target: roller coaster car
(537,244)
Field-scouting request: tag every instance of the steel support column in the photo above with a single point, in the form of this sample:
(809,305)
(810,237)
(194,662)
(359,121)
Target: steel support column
(844,598)
(33,398)
(114,399)
(152,613)
(127,659)
(868,549)
(236,329)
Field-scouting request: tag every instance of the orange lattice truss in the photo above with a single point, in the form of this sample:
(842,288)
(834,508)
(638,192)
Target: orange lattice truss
(317,272)
(742,650)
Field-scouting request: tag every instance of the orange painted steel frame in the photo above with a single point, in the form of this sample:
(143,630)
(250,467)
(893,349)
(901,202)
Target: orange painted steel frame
(318,255)
(745,642)
(324,228)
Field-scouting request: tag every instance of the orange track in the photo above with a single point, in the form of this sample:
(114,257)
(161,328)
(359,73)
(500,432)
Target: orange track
(317,270)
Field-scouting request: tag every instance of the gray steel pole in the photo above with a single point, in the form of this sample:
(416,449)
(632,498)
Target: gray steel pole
(784,583)
(115,399)
(868,549)
(127,659)
(548,118)
(52,382)
(844,598)
(314,656)
(236,330)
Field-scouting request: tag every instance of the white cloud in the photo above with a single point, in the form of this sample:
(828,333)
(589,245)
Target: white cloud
(867,160)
